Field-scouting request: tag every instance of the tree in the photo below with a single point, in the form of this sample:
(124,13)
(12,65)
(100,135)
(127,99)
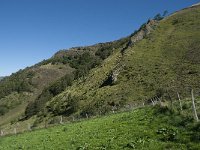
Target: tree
(3,109)
(158,17)
(165,13)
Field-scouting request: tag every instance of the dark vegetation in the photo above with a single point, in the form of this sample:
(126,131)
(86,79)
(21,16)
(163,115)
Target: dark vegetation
(150,72)
(80,59)
(18,82)
(159,17)
(82,63)
(3,109)
(57,87)
(157,66)
(84,60)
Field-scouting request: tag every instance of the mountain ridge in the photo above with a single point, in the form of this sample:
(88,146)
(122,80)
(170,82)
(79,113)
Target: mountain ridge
(151,63)
(158,78)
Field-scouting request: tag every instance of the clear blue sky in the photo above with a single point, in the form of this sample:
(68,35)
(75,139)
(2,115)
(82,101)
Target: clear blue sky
(33,30)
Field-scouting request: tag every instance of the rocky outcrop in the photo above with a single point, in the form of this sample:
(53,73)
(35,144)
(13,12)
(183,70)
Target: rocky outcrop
(144,31)
(112,77)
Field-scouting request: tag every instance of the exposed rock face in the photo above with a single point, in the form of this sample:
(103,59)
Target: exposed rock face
(144,31)
(112,78)
(108,81)
(141,33)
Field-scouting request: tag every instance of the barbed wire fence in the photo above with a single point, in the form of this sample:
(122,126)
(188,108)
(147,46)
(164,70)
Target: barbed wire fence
(63,120)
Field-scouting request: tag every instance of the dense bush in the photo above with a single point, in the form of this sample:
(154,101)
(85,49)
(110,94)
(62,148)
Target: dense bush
(3,109)
(104,52)
(196,129)
(158,17)
(167,134)
(48,93)
(107,50)
(84,63)
(18,82)
(70,106)
(81,63)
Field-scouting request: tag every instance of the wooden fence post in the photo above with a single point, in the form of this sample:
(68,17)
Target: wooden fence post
(15,131)
(1,132)
(194,107)
(86,115)
(170,98)
(99,113)
(29,127)
(179,99)
(152,102)
(159,99)
(45,123)
(61,119)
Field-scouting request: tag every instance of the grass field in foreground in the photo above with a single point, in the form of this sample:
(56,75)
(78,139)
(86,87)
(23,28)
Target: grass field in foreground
(144,128)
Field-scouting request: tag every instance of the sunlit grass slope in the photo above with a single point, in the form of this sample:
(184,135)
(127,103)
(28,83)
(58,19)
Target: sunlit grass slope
(144,128)
(166,60)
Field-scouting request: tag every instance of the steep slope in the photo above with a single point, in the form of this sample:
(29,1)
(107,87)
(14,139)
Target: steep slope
(28,90)
(165,62)
(157,61)
(22,87)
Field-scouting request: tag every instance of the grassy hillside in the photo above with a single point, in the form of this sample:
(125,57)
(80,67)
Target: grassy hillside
(164,62)
(24,86)
(145,128)
(155,62)
(31,88)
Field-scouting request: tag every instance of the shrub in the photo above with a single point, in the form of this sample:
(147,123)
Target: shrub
(167,134)
(162,110)
(47,94)
(175,21)
(158,17)
(3,109)
(196,132)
